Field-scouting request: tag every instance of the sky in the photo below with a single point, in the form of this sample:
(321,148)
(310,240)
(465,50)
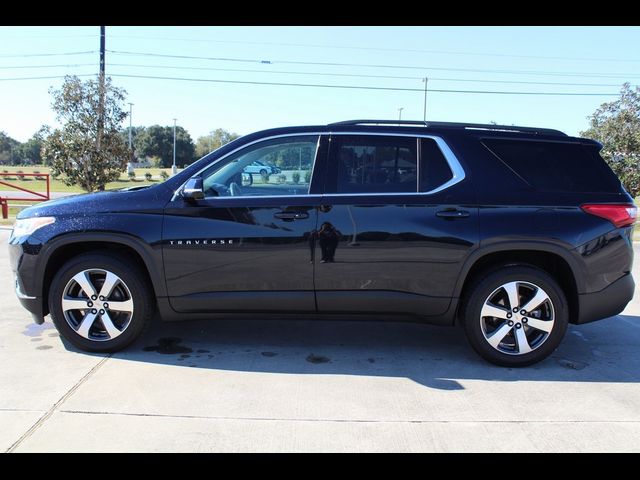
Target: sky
(576,60)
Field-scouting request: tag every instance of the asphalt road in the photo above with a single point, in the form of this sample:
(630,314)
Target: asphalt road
(254,386)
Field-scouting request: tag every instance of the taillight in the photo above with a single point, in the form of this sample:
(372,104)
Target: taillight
(621,215)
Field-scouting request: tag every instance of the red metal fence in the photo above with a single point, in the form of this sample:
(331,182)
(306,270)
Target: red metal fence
(37,196)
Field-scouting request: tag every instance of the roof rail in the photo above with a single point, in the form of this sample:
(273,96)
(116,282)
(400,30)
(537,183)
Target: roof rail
(465,126)
(381,122)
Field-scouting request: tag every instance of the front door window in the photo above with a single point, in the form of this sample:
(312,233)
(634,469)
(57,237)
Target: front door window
(276,167)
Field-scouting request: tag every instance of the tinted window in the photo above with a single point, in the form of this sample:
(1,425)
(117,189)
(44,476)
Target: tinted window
(434,169)
(554,166)
(281,166)
(374,164)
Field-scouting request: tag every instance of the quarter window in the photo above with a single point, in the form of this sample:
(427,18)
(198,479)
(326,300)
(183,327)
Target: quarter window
(556,166)
(280,167)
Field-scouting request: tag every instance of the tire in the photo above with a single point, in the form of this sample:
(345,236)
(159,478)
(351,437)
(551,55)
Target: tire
(520,339)
(263,172)
(109,328)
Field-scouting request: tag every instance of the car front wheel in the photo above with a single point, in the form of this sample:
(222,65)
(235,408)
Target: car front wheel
(515,316)
(100,303)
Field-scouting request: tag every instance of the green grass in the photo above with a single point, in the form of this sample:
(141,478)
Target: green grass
(58,186)
(31,183)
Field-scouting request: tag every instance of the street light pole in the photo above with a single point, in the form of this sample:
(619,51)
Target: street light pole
(130,164)
(400,113)
(130,119)
(174,169)
(424,112)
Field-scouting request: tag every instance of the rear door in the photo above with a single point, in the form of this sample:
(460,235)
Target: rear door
(396,222)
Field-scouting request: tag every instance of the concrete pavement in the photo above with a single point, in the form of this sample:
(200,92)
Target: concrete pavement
(265,385)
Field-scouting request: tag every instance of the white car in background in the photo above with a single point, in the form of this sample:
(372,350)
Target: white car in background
(261,168)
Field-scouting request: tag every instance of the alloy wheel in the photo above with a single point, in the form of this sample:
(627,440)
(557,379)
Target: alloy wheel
(97,304)
(517,318)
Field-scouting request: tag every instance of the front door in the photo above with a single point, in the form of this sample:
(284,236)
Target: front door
(394,226)
(246,246)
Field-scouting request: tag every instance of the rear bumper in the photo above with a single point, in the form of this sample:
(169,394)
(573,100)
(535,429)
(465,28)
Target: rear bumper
(607,302)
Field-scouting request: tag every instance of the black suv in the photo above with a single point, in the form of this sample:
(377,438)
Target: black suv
(511,232)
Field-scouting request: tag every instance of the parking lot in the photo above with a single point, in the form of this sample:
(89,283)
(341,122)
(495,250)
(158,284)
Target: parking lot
(269,385)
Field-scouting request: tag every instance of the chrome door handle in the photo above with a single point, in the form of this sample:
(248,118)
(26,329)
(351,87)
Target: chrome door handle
(291,215)
(452,214)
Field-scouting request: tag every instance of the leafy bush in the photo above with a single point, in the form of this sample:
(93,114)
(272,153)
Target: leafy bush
(164,175)
(20,175)
(628,171)
(296,177)
(307,176)
(265,177)
(148,176)
(282,178)
(132,176)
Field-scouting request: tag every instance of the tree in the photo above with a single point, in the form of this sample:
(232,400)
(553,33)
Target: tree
(30,152)
(617,126)
(157,141)
(87,151)
(7,147)
(135,131)
(213,141)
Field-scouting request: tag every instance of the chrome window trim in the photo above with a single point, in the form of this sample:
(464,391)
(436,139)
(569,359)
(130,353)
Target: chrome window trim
(455,166)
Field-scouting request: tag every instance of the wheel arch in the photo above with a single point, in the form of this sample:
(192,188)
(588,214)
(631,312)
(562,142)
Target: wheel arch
(555,260)
(66,247)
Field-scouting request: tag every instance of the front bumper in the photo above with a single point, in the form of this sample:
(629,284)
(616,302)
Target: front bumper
(32,304)
(23,254)
(607,302)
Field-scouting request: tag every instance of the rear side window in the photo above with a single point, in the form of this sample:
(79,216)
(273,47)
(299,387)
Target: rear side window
(434,169)
(555,166)
(374,164)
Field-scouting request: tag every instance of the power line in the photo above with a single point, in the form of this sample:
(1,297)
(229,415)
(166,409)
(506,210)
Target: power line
(347,47)
(69,65)
(11,37)
(48,77)
(324,74)
(341,64)
(289,72)
(22,55)
(358,87)
(317,85)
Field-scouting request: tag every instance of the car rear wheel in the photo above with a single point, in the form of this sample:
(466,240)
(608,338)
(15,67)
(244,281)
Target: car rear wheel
(100,303)
(515,316)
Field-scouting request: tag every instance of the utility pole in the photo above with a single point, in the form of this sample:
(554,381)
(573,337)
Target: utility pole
(102,48)
(131,157)
(101,86)
(174,169)
(424,115)
(400,113)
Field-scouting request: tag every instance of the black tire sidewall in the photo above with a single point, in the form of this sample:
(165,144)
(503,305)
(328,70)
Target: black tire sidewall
(133,279)
(481,290)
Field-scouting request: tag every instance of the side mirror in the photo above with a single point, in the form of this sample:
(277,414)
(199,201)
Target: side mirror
(193,189)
